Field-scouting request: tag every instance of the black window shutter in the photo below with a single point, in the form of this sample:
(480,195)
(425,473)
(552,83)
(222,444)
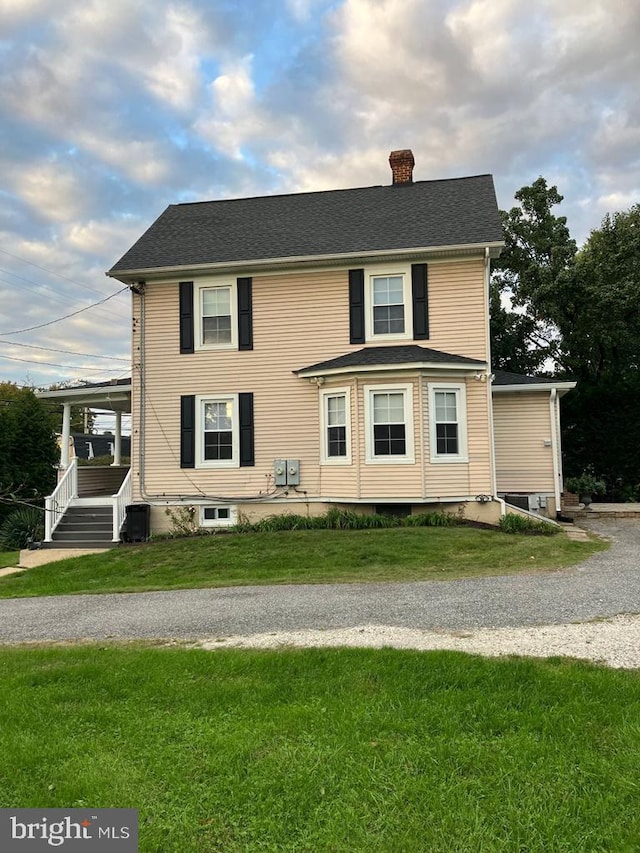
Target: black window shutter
(188,431)
(419,290)
(245,406)
(356,306)
(186,316)
(245,314)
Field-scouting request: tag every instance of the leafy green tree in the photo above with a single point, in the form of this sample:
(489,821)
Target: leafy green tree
(28,448)
(77,412)
(582,310)
(535,265)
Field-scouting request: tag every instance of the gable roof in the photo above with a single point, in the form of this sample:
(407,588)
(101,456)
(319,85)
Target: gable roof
(409,355)
(420,215)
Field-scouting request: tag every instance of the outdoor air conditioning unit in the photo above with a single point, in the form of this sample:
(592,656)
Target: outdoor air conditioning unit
(529,502)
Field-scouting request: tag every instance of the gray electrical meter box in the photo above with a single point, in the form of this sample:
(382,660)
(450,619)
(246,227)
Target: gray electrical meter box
(293,472)
(280,472)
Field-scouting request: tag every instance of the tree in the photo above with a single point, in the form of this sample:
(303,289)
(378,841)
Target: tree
(77,412)
(28,448)
(582,310)
(534,266)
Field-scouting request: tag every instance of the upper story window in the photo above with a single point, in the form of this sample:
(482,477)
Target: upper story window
(216,307)
(448,423)
(389,307)
(388,304)
(389,429)
(336,425)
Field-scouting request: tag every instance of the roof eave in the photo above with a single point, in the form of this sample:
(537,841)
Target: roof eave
(313,373)
(562,387)
(408,253)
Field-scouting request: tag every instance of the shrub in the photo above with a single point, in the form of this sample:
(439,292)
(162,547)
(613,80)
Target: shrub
(512,523)
(586,484)
(23,526)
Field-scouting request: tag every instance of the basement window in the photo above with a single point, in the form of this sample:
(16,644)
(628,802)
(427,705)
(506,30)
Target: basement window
(217,516)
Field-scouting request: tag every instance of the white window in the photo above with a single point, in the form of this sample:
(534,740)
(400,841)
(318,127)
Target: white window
(217,434)
(335,419)
(215,310)
(389,433)
(448,423)
(217,516)
(389,312)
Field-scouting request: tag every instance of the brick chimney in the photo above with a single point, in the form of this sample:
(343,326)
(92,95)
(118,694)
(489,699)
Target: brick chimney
(402,164)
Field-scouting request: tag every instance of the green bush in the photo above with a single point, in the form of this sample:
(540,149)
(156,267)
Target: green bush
(512,523)
(23,526)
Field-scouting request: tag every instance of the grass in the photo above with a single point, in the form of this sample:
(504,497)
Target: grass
(327,750)
(301,556)
(9,558)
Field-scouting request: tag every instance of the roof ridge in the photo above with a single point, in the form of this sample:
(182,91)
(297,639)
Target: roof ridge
(334,191)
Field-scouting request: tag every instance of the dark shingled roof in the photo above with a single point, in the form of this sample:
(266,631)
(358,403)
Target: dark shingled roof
(400,355)
(503,377)
(424,214)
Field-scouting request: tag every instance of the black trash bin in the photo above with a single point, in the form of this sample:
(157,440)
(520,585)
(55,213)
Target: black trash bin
(137,526)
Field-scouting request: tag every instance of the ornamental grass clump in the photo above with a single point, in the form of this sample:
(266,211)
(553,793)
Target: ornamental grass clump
(21,528)
(512,523)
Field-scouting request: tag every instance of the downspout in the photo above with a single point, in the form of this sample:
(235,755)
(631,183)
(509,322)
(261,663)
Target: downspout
(553,403)
(492,445)
(142,401)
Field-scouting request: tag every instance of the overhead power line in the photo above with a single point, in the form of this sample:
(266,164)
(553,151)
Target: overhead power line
(51,272)
(65,351)
(44,288)
(66,317)
(54,364)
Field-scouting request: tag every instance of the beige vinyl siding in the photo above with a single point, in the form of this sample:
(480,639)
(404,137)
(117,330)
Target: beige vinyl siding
(457,308)
(286,418)
(522,424)
(402,480)
(298,320)
(455,479)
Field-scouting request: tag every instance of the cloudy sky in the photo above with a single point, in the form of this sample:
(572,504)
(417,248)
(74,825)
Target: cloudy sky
(112,109)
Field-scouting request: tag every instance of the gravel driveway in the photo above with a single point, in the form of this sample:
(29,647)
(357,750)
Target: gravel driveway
(419,614)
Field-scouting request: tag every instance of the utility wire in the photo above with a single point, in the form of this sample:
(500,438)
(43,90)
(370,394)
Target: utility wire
(39,288)
(51,272)
(65,351)
(55,364)
(66,317)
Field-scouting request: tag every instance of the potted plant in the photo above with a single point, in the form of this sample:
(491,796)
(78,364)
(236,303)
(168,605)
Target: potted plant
(586,485)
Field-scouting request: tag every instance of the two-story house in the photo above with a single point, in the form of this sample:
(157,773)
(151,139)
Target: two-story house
(296,352)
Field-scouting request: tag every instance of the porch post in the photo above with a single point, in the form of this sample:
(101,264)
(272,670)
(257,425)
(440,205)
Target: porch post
(66,435)
(117,447)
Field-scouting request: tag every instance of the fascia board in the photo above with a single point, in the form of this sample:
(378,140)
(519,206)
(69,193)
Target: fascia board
(260,264)
(542,386)
(471,367)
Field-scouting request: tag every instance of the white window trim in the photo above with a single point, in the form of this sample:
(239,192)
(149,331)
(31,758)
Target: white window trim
(460,390)
(201,462)
(409,456)
(208,284)
(325,459)
(222,522)
(388,270)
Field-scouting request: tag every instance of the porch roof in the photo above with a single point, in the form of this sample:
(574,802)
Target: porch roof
(114,395)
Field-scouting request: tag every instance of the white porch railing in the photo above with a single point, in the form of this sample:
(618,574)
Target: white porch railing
(120,501)
(58,501)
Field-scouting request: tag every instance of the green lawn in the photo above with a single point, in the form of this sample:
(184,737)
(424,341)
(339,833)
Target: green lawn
(9,558)
(327,750)
(301,556)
